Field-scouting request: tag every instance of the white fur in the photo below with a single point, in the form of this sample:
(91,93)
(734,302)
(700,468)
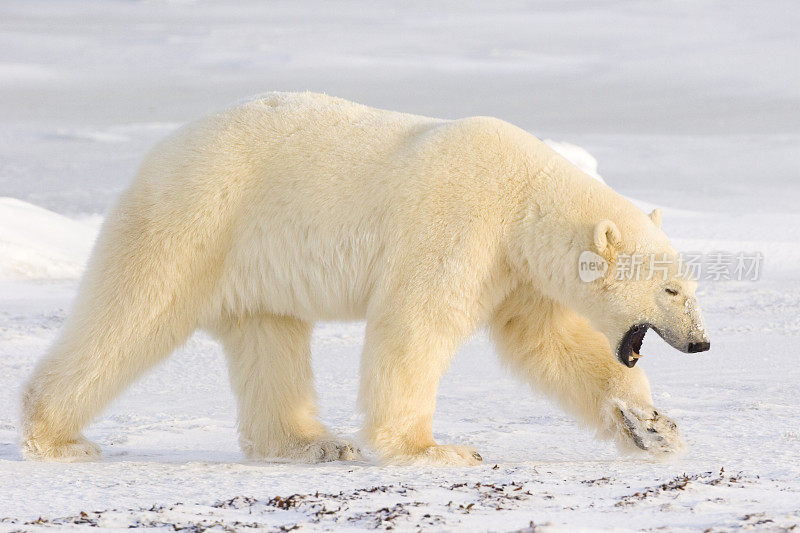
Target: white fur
(258,221)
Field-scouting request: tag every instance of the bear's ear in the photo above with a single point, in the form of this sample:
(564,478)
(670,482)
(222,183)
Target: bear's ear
(607,239)
(655,216)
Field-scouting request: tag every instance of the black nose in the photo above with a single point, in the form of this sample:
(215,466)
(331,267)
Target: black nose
(695,347)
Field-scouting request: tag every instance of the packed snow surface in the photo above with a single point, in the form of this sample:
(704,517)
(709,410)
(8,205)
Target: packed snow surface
(692,107)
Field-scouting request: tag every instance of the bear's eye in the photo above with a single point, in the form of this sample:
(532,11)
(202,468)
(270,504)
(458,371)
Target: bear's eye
(671,292)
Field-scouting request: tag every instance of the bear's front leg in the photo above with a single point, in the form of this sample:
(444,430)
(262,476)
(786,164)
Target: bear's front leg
(400,373)
(558,352)
(626,411)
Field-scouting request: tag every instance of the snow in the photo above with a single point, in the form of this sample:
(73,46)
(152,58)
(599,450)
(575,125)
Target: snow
(692,107)
(39,244)
(577,156)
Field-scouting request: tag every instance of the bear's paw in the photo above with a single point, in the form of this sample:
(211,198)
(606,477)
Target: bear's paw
(439,455)
(325,451)
(72,451)
(645,429)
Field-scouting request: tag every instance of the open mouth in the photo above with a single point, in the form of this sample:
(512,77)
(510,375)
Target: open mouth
(629,349)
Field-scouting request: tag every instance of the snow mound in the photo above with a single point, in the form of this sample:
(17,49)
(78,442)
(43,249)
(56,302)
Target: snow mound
(577,156)
(39,244)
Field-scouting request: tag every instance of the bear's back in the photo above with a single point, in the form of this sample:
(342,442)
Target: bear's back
(292,113)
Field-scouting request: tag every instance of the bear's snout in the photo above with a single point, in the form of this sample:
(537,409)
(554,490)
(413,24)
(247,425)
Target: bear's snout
(696,347)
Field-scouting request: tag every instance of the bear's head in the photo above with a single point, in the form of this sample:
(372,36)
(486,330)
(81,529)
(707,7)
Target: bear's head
(641,284)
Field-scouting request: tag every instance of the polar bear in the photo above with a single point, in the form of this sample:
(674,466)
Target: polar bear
(258,221)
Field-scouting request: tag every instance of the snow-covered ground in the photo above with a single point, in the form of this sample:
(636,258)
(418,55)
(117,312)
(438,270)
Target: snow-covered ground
(690,106)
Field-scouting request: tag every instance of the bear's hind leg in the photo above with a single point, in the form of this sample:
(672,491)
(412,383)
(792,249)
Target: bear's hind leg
(78,378)
(149,276)
(107,343)
(558,352)
(269,362)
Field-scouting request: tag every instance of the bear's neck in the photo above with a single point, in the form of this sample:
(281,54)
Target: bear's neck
(559,206)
